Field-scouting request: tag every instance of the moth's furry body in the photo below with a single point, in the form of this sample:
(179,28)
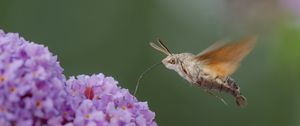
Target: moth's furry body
(211,69)
(195,73)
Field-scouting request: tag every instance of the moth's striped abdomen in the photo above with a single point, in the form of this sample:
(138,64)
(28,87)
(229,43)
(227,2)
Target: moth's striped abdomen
(228,86)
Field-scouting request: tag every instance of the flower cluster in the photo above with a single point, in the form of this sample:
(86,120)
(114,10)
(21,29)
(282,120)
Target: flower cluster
(99,101)
(31,83)
(34,91)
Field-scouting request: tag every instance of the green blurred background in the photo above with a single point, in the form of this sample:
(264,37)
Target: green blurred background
(112,37)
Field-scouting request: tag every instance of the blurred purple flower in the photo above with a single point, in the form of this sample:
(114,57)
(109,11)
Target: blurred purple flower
(292,5)
(101,102)
(33,91)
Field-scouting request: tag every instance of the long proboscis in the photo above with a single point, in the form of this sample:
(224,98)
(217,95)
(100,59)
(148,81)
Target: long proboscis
(142,74)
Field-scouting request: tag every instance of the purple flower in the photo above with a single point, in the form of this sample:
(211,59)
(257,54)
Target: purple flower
(31,83)
(34,91)
(101,102)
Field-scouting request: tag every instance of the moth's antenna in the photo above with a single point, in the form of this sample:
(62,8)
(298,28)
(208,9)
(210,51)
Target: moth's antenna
(163,45)
(142,74)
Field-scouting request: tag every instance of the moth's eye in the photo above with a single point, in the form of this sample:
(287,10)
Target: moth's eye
(172,61)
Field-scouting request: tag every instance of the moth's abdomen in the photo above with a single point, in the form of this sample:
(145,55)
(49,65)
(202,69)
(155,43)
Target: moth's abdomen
(228,86)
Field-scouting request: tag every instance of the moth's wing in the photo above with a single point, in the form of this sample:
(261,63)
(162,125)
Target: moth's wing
(214,46)
(224,59)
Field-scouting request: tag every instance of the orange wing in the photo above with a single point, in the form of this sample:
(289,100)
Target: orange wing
(224,59)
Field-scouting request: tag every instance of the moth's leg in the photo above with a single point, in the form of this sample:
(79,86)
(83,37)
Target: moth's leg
(218,97)
(199,82)
(187,75)
(191,80)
